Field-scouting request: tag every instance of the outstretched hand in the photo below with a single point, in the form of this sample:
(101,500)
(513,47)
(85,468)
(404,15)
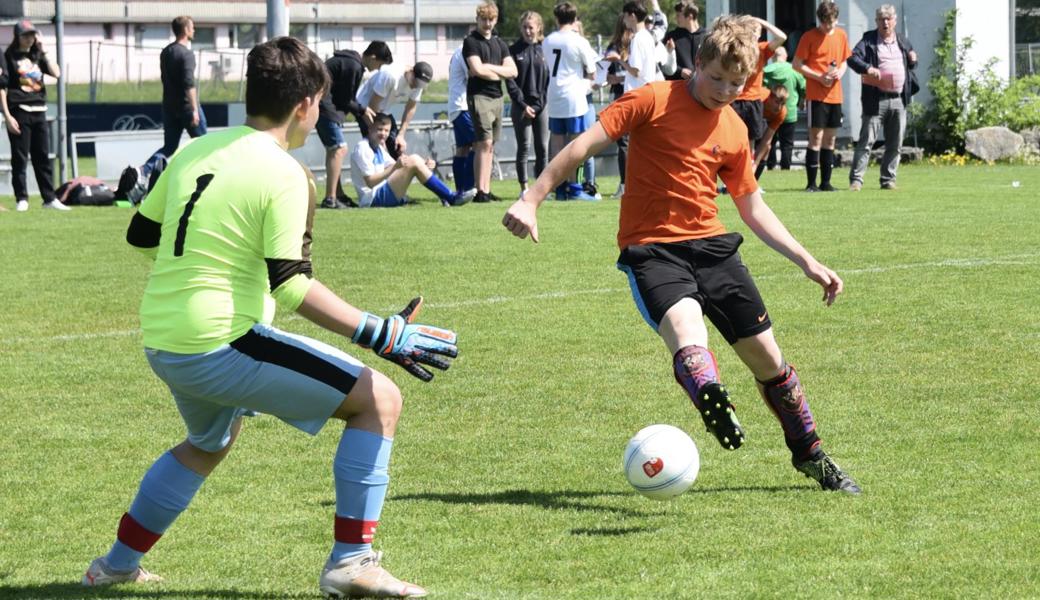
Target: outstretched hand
(408,344)
(521,219)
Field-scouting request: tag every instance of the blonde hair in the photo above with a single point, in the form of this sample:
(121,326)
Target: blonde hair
(733,40)
(537,18)
(488,10)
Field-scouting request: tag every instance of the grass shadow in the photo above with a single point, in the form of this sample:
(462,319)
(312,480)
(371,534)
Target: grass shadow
(559,500)
(752,488)
(612,531)
(59,591)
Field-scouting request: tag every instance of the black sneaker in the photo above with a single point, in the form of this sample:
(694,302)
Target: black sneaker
(827,473)
(812,188)
(482,197)
(493,197)
(827,187)
(333,203)
(720,418)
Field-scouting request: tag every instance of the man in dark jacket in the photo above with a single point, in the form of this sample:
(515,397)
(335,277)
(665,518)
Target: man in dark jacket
(346,68)
(180,108)
(685,39)
(885,60)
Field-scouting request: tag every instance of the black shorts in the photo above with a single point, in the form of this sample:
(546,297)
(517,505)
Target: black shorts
(750,111)
(823,115)
(708,270)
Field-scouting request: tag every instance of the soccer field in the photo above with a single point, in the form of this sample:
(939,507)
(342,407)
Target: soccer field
(506,478)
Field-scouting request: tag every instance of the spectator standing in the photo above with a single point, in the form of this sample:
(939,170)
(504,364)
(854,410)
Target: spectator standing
(774,111)
(749,103)
(572,63)
(461,122)
(641,66)
(527,93)
(382,181)
(346,68)
(384,89)
(489,62)
(23,97)
(885,60)
(683,41)
(821,57)
(780,71)
(181,109)
(618,46)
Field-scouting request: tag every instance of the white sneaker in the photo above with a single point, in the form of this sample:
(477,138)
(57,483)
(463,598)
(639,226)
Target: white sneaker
(98,573)
(620,191)
(56,205)
(362,577)
(22,205)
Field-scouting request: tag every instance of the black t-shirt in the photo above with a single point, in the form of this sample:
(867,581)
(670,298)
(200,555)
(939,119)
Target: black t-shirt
(345,70)
(686,44)
(23,76)
(177,65)
(491,52)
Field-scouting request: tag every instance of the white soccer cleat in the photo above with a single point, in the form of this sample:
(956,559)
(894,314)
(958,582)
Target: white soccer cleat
(620,191)
(56,205)
(22,205)
(99,573)
(363,577)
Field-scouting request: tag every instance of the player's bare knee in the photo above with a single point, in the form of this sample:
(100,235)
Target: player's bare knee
(386,400)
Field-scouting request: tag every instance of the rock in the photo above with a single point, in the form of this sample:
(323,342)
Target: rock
(1031,137)
(993,143)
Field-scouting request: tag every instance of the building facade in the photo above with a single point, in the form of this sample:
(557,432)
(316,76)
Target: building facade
(120,40)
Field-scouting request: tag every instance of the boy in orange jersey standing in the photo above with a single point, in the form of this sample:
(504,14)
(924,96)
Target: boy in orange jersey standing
(821,57)
(681,263)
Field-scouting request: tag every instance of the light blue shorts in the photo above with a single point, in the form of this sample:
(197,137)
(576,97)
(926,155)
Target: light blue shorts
(299,380)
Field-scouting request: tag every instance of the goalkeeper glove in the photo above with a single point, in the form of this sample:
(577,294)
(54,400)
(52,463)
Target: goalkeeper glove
(410,345)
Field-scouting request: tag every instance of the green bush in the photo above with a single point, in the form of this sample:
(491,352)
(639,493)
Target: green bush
(962,101)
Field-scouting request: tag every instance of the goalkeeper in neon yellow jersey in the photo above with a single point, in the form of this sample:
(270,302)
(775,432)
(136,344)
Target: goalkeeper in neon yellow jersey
(228,224)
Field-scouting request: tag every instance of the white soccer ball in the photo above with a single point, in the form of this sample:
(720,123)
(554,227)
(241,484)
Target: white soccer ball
(661,462)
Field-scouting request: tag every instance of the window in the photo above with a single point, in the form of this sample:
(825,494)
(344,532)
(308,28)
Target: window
(299,31)
(152,36)
(428,33)
(385,34)
(205,38)
(457,32)
(247,36)
(107,28)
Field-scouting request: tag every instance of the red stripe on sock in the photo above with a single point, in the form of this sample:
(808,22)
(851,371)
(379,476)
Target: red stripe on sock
(134,535)
(355,531)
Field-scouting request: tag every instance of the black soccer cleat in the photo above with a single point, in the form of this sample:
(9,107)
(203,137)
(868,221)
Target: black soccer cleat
(828,474)
(720,418)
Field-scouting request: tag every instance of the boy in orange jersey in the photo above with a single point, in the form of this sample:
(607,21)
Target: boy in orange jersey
(821,57)
(749,103)
(681,263)
(774,111)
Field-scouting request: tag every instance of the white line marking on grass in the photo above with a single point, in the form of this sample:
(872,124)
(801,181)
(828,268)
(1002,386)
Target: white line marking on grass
(957,263)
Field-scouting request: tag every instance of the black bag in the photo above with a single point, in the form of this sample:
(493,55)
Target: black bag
(82,194)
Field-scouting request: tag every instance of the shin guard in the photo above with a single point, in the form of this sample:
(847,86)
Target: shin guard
(698,374)
(786,398)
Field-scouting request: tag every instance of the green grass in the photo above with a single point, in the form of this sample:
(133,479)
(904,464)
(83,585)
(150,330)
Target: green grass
(506,478)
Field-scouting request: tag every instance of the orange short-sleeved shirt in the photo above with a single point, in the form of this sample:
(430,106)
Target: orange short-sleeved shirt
(774,119)
(753,89)
(676,150)
(818,51)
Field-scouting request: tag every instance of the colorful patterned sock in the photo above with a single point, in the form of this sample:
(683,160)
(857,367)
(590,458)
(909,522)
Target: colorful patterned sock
(786,398)
(695,367)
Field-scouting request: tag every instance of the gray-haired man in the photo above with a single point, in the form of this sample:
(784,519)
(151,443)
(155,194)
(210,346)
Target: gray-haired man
(886,61)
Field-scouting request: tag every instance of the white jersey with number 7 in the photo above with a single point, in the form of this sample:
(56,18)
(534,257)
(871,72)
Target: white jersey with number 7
(570,58)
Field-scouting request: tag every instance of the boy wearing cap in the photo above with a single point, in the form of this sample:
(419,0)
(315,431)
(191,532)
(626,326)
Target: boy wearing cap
(384,89)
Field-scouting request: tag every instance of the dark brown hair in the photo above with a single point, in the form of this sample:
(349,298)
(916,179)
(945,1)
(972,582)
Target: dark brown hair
(280,73)
(180,25)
